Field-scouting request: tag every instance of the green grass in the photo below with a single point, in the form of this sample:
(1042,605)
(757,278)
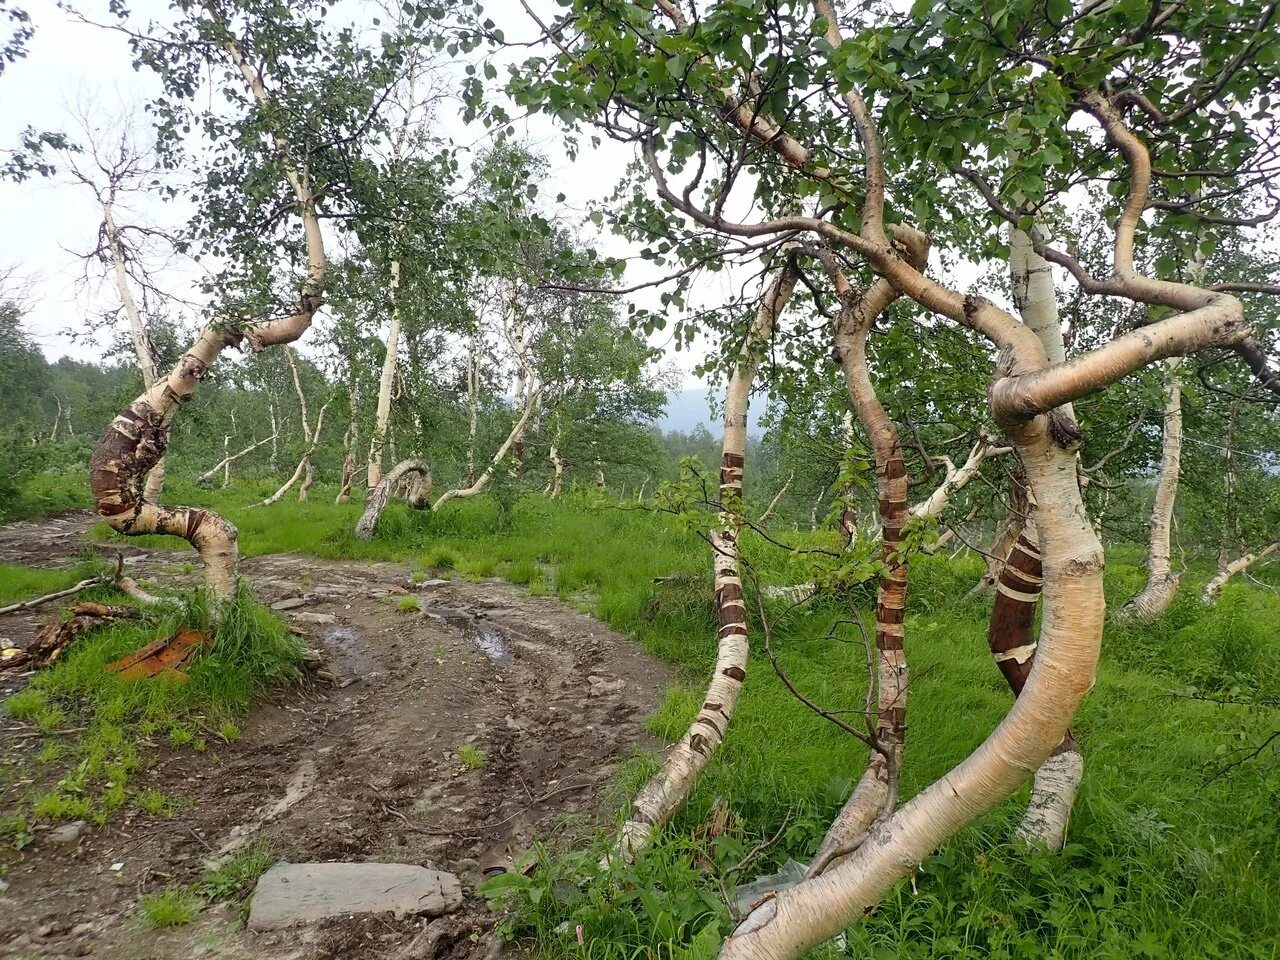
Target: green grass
(171,907)
(471,756)
(253,651)
(1164,858)
(27,583)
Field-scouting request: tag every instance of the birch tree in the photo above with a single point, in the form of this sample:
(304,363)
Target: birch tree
(917,91)
(263,173)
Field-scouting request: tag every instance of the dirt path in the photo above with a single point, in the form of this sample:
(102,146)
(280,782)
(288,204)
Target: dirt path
(367,769)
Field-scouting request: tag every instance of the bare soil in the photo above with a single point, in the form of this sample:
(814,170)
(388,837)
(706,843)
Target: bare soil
(365,768)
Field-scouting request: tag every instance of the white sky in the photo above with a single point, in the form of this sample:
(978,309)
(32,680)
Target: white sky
(72,64)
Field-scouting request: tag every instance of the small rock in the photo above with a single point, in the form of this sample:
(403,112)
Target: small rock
(68,832)
(290,603)
(321,618)
(292,893)
(596,686)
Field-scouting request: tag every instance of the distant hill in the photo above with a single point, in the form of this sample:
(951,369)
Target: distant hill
(688,408)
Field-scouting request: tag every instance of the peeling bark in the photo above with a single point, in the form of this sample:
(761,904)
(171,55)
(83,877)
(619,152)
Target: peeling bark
(875,794)
(1011,636)
(1008,530)
(669,788)
(136,439)
(376,502)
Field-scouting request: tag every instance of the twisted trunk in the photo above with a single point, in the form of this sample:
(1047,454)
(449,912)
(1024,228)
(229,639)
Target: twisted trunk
(668,789)
(1011,636)
(136,439)
(376,502)
(1162,582)
(875,795)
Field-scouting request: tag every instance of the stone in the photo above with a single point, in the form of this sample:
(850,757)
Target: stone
(290,603)
(68,832)
(320,618)
(597,686)
(293,893)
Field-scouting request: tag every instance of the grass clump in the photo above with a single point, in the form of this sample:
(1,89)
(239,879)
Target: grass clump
(237,876)
(252,651)
(26,583)
(471,756)
(170,907)
(409,605)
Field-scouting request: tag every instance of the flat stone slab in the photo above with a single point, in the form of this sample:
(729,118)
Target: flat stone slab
(293,893)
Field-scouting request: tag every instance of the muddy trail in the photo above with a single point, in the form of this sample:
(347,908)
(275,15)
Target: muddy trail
(363,768)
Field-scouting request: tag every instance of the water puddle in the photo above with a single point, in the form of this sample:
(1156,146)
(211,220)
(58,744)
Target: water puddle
(350,651)
(489,640)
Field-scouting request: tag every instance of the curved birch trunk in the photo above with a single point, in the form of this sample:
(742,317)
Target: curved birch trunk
(348,475)
(383,416)
(376,502)
(957,478)
(1162,582)
(303,471)
(1011,636)
(1011,632)
(1229,570)
(473,403)
(482,481)
(1025,397)
(783,926)
(875,794)
(136,439)
(669,788)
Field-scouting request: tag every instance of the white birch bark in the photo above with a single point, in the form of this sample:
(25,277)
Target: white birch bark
(382,418)
(141,345)
(1230,569)
(669,788)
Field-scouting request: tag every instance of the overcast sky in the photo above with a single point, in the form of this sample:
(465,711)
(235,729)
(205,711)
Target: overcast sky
(75,68)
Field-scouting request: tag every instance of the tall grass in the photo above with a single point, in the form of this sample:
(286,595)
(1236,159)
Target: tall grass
(1165,859)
